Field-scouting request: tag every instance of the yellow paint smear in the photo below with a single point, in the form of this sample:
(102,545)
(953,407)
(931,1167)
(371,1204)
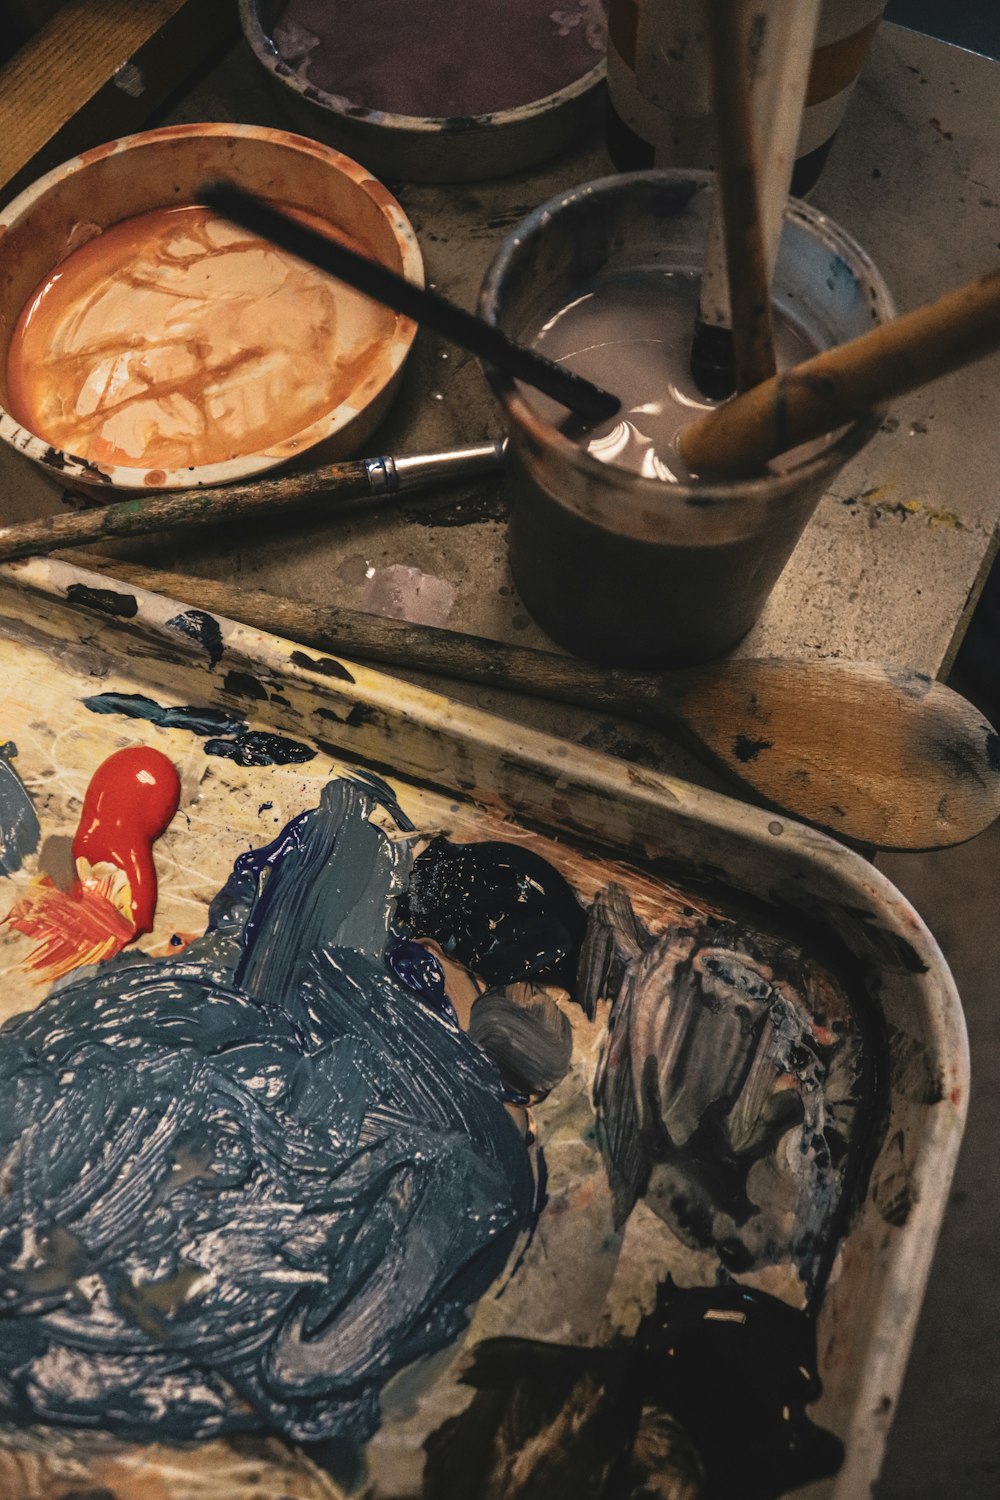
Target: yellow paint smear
(878,497)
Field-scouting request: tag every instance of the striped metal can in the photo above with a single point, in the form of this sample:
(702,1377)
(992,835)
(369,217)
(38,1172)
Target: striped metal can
(659,106)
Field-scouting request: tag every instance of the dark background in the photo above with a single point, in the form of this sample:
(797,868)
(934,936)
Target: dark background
(968,23)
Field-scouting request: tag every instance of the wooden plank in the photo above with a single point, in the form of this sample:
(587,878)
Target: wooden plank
(98,69)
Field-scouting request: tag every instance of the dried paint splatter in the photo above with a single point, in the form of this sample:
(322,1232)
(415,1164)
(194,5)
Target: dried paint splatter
(737,1092)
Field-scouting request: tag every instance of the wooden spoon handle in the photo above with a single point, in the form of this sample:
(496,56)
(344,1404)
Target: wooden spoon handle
(884,758)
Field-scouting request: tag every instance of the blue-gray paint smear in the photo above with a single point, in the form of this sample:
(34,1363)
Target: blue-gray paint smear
(19,830)
(203,721)
(264,1175)
(248,747)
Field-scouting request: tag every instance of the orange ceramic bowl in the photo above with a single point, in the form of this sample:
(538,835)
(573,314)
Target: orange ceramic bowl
(164,168)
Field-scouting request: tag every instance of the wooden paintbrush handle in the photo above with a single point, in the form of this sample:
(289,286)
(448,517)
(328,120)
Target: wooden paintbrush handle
(145,513)
(841,384)
(398,643)
(739,188)
(884,757)
(368,479)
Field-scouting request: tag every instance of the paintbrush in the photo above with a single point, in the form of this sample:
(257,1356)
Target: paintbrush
(336,485)
(841,384)
(884,757)
(779,58)
(738,185)
(417,302)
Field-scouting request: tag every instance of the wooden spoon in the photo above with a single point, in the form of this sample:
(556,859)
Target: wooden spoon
(884,757)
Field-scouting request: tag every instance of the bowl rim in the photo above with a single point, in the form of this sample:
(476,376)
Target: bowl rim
(267,54)
(145,477)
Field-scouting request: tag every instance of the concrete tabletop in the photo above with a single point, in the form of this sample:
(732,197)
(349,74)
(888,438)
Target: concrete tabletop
(894,558)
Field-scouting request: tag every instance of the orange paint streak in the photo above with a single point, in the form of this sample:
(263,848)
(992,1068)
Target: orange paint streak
(71,927)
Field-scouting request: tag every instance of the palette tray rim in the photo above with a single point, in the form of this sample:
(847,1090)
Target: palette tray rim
(641,816)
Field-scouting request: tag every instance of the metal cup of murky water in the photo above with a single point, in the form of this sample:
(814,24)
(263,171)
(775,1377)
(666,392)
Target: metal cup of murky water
(630,567)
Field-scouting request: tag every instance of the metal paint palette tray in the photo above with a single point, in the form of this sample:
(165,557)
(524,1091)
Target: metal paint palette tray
(621,1109)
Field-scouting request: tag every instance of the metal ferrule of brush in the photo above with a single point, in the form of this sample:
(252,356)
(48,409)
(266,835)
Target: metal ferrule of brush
(389,476)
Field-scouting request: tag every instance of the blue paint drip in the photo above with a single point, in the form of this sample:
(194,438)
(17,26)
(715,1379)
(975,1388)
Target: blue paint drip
(248,747)
(201,721)
(19,830)
(263,1175)
(417,968)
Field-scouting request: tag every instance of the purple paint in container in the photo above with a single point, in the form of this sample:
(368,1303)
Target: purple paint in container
(436,90)
(442,58)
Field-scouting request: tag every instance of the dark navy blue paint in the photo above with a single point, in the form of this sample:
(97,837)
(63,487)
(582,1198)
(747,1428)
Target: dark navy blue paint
(248,747)
(202,721)
(263,1174)
(202,628)
(258,747)
(499,909)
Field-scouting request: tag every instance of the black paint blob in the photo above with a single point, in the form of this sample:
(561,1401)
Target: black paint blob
(201,627)
(257,747)
(500,910)
(106,601)
(745,749)
(737,1368)
(245,685)
(711,1394)
(327,665)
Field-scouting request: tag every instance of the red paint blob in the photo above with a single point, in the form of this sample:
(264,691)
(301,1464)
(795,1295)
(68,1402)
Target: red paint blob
(131,798)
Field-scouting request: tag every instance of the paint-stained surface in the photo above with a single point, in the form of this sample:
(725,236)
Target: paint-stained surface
(738,1097)
(356,984)
(707,1402)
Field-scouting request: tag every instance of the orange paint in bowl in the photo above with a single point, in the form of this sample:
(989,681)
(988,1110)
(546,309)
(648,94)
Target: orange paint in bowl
(174,339)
